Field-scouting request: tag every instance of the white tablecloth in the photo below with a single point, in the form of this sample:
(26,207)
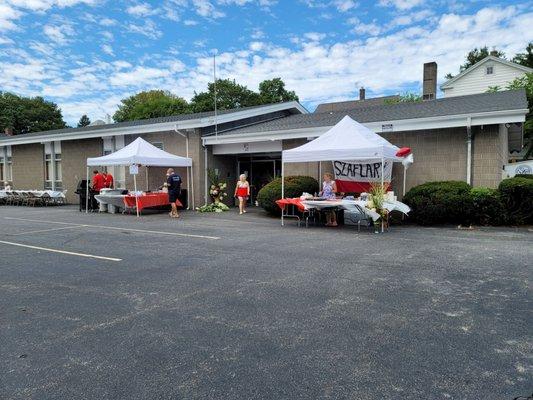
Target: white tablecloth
(116,200)
(350,205)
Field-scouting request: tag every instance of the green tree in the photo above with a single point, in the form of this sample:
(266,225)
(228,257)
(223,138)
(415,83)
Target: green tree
(476,55)
(29,114)
(150,104)
(273,91)
(229,95)
(84,121)
(406,97)
(526,58)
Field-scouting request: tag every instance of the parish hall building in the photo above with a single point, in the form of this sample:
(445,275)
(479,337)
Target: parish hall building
(461,137)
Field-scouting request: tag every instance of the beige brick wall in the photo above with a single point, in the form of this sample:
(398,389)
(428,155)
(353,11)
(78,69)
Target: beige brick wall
(28,166)
(74,154)
(488,156)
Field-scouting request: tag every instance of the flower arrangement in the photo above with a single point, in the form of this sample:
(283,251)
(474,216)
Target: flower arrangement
(378,192)
(217,193)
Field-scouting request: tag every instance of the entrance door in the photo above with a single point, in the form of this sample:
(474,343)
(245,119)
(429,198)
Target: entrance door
(259,173)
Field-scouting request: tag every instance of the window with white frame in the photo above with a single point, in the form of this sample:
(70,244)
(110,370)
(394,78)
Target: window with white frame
(490,70)
(6,165)
(112,144)
(53,171)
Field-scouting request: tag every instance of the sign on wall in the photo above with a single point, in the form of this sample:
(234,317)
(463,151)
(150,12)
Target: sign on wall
(134,169)
(357,176)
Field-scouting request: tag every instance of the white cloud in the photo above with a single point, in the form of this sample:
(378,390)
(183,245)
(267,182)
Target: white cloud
(7,15)
(401,4)
(149,29)
(59,34)
(345,5)
(206,9)
(141,10)
(107,49)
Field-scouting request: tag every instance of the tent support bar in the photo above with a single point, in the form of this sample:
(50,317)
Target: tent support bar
(87,192)
(136,195)
(382,184)
(282,185)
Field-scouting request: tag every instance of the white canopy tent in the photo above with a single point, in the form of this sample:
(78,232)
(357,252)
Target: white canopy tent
(140,152)
(347,140)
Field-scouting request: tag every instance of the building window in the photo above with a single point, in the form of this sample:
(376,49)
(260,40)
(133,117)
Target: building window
(159,145)
(53,172)
(490,70)
(6,165)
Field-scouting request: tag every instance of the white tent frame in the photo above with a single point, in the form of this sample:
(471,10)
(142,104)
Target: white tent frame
(320,158)
(190,194)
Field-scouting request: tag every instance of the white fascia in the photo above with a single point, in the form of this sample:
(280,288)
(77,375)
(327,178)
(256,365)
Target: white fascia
(156,127)
(449,121)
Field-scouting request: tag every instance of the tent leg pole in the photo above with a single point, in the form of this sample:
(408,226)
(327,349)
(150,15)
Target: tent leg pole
(87,192)
(146,174)
(192,188)
(136,195)
(382,185)
(189,187)
(282,187)
(404,179)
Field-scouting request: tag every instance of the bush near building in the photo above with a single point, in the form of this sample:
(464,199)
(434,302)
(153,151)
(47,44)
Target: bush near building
(294,187)
(439,203)
(453,202)
(517,196)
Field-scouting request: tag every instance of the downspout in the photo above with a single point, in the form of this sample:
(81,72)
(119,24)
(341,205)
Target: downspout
(205,174)
(189,170)
(469,138)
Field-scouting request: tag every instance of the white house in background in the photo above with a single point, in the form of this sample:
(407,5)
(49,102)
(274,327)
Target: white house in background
(491,71)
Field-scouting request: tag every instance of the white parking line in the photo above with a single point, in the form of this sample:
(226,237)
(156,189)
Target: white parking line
(44,230)
(117,228)
(71,253)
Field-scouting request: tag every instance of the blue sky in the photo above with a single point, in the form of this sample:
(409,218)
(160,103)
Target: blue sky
(88,54)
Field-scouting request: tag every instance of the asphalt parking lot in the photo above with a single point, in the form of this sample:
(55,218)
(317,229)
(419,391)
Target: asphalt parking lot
(229,307)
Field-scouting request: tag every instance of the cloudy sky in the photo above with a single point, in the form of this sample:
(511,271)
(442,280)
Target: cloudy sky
(88,54)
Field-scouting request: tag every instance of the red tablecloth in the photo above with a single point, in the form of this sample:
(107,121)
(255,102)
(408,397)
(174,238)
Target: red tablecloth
(282,203)
(149,200)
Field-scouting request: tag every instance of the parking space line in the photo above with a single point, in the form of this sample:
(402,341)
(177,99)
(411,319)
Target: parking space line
(71,253)
(44,230)
(118,228)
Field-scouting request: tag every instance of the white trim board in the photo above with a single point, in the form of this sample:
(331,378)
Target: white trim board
(155,127)
(449,121)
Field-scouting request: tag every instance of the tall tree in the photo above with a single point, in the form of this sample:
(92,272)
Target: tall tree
(476,55)
(84,121)
(526,58)
(150,104)
(28,114)
(273,91)
(229,95)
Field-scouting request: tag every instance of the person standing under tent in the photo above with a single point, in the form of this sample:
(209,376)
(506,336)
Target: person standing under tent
(329,188)
(242,192)
(108,180)
(98,181)
(174,189)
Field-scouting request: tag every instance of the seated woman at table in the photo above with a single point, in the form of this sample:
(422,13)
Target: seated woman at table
(329,188)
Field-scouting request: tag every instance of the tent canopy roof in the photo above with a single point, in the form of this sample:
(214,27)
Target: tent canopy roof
(140,152)
(348,140)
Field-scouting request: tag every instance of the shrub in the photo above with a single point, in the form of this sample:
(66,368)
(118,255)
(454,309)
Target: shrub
(294,187)
(527,176)
(487,207)
(440,202)
(517,197)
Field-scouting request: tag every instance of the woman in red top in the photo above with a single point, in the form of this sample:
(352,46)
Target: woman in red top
(242,192)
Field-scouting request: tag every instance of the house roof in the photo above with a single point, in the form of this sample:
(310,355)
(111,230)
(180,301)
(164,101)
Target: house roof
(446,84)
(351,104)
(459,105)
(184,121)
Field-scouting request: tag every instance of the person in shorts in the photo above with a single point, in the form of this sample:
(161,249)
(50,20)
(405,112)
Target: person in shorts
(174,190)
(242,192)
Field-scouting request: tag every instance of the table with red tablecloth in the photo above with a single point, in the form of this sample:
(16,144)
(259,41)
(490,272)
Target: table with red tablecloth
(147,200)
(297,202)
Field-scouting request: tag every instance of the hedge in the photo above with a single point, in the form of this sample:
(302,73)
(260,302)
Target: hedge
(517,197)
(294,187)
(487,207)
(439,203)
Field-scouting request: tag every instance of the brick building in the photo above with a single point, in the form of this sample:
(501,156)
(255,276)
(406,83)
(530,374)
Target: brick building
(460,138)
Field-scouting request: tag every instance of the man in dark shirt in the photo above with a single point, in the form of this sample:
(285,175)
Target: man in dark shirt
(174,189)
